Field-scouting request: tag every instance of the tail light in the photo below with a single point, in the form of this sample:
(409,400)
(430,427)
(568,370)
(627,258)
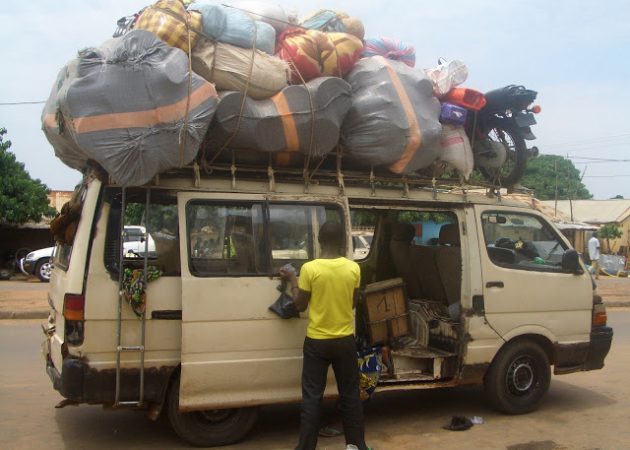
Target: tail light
(74,307)
(536,109)
(600,318)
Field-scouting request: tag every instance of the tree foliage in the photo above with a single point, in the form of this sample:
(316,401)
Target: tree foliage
(541,174)
(608,232)
(21,198)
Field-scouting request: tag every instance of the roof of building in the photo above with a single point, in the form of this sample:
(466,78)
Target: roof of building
(558,217)
(593,211)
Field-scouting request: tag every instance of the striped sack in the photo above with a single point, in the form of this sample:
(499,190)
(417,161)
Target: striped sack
(390,49)
(169,20)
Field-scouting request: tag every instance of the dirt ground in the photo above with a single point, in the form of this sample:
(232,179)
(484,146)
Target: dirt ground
(23,295)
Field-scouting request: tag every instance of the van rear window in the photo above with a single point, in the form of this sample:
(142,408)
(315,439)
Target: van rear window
(152,231)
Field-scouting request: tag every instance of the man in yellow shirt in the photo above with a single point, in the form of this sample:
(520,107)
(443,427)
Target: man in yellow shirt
(329,284)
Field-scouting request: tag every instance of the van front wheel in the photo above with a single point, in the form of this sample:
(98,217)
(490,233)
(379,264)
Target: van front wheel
(212,427)
(518,378)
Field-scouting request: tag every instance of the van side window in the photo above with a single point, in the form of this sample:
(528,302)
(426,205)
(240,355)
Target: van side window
(252,238)
(155,230)
(225,238)
(522,241)
(293,230)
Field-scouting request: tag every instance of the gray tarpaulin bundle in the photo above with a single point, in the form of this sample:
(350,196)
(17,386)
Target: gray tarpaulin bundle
(301,118)
(124,105)
(394,119)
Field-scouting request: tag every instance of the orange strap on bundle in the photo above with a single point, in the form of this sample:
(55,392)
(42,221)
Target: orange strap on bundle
(415,136)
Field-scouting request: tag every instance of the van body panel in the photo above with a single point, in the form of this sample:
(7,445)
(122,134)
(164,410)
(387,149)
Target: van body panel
(234,351)
(71,279)
(558,305)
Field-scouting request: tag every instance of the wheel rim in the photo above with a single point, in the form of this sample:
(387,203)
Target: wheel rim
(521,376)
(503,137)
(45,270)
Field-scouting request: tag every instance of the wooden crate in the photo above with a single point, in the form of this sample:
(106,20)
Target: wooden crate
(387,312)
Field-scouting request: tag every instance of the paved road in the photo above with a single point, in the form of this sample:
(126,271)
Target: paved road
(583,411)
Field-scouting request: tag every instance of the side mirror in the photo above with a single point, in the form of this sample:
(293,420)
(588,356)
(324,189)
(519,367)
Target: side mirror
(571,262)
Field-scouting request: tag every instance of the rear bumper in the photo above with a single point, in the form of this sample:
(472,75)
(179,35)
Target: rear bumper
(26,267)
(82,384)
(584,356)
(70,385)
(601,340)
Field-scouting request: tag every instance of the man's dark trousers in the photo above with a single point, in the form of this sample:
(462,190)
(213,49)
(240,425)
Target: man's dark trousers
(318,355)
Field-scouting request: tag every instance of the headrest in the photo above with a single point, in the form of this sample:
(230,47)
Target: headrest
(449,235)
(404,232)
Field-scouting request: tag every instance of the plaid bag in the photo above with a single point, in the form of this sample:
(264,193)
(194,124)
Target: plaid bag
(167,20)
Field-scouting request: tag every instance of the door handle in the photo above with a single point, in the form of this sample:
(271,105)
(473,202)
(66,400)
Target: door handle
(497,284)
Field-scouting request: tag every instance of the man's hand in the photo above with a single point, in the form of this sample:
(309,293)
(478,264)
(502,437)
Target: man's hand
(288,276)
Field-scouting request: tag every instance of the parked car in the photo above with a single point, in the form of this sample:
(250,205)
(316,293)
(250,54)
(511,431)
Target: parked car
(38,263)
(133,242)
(361,241)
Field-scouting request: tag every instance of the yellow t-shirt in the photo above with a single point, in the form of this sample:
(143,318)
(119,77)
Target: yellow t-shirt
(331,283)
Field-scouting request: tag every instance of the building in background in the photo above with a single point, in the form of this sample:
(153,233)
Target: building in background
(598,213)
(31,235)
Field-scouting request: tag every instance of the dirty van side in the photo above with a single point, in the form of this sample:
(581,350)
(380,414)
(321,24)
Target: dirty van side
(457,289)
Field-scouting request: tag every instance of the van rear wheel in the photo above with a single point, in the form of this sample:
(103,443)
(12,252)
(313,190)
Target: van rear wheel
(209,428)
(518,378)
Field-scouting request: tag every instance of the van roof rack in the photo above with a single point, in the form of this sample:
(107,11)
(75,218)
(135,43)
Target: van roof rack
(331,170)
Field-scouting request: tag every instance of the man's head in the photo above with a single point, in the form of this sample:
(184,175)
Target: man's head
(594,234)
(331,235)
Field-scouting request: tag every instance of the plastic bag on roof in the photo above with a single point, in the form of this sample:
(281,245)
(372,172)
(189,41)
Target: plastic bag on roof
(124,105)
(272,14)
(446,75)
(233,26)
(285,122)
(230,68)
(167,20)
(313,53)
(390,49)
(328,20)
(393,121)
(456,149)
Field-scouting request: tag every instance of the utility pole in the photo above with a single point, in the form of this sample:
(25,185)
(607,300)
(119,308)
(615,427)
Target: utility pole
(555,209)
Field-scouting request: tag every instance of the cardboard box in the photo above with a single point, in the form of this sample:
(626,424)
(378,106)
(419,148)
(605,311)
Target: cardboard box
(387,312)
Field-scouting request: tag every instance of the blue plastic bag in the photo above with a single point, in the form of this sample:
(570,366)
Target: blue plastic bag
(233,26)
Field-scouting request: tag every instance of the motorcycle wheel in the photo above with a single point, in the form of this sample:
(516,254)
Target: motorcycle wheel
(512,170)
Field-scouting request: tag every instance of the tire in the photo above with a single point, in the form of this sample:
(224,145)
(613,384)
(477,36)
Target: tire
(209,428)
(511,172)
(518,378)
(43,269)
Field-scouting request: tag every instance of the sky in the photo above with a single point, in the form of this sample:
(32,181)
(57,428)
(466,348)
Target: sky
(576,54)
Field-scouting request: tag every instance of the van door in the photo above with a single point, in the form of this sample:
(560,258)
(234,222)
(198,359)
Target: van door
(524,288)
(235,351)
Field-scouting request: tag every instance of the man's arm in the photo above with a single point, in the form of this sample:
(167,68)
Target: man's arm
(300,297)
(355,298)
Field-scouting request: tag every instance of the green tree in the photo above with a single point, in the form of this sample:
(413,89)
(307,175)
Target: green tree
(608,232)
(21,198)
(541,175)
